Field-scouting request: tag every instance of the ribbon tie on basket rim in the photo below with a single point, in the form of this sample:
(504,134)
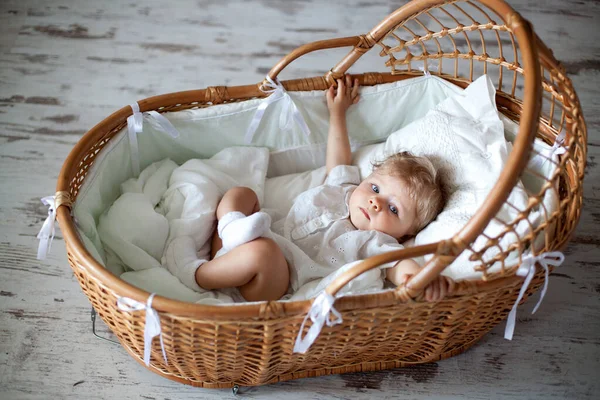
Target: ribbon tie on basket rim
(527,269)
(152,324)
(135,125)
(557,148)
(46,234)
(319,314)
(289,111)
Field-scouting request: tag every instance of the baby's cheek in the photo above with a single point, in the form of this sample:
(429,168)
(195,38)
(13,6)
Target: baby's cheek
(394,228)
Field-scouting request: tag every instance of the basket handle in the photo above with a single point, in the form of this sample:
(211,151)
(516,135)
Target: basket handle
(401,15)
(354,41)
(445,252)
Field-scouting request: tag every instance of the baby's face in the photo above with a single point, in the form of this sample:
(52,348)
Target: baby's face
(382,203)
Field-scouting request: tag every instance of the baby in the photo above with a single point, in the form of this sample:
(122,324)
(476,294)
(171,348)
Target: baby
(342,221)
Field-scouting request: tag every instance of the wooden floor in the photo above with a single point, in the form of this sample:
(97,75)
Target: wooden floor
(67,64)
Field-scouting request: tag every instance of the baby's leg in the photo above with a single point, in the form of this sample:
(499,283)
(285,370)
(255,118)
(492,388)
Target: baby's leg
(257,268)
(240,199)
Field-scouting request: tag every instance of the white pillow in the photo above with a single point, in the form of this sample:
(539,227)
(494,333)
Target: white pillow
(463,134)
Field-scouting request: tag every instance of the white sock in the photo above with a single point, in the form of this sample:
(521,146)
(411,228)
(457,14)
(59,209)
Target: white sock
(235,228)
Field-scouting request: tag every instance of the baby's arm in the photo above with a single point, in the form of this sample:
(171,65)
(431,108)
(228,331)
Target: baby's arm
(405,269)
(338,143)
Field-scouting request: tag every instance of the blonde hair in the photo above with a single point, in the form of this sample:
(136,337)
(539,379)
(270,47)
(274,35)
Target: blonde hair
(423,181)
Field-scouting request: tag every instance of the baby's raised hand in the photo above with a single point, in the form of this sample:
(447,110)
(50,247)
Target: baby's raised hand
(346,94)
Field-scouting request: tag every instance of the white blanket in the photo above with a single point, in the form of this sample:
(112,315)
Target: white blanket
(168,201)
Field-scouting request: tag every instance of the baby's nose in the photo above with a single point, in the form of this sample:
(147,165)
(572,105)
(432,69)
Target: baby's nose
(375,203)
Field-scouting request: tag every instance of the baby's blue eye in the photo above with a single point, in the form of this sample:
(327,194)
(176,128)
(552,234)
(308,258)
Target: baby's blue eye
(375,188)
(393,209)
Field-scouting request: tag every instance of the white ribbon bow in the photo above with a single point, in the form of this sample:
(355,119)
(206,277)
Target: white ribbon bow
(289,111)
(135,125)
(46,234)
(319,314)
(152,326)
(527,269)
(557,148)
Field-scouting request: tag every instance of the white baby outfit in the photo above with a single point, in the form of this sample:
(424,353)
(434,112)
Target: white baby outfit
(317,237)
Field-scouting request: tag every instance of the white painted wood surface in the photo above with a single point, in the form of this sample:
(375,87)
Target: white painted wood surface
(67,64)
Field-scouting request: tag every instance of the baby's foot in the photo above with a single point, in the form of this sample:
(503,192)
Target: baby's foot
(235,228)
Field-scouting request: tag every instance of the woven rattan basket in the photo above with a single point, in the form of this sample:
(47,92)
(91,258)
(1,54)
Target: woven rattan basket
(251,344)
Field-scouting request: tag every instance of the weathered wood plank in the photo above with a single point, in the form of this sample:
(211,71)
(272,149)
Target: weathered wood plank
(66,65)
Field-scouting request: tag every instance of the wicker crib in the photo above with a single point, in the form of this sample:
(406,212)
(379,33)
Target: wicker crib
(252,344)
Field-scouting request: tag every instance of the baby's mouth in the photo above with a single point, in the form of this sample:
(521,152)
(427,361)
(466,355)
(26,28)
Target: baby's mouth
(365,213)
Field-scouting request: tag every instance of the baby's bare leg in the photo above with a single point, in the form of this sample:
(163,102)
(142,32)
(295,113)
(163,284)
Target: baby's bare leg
(257,268)
(240,199)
